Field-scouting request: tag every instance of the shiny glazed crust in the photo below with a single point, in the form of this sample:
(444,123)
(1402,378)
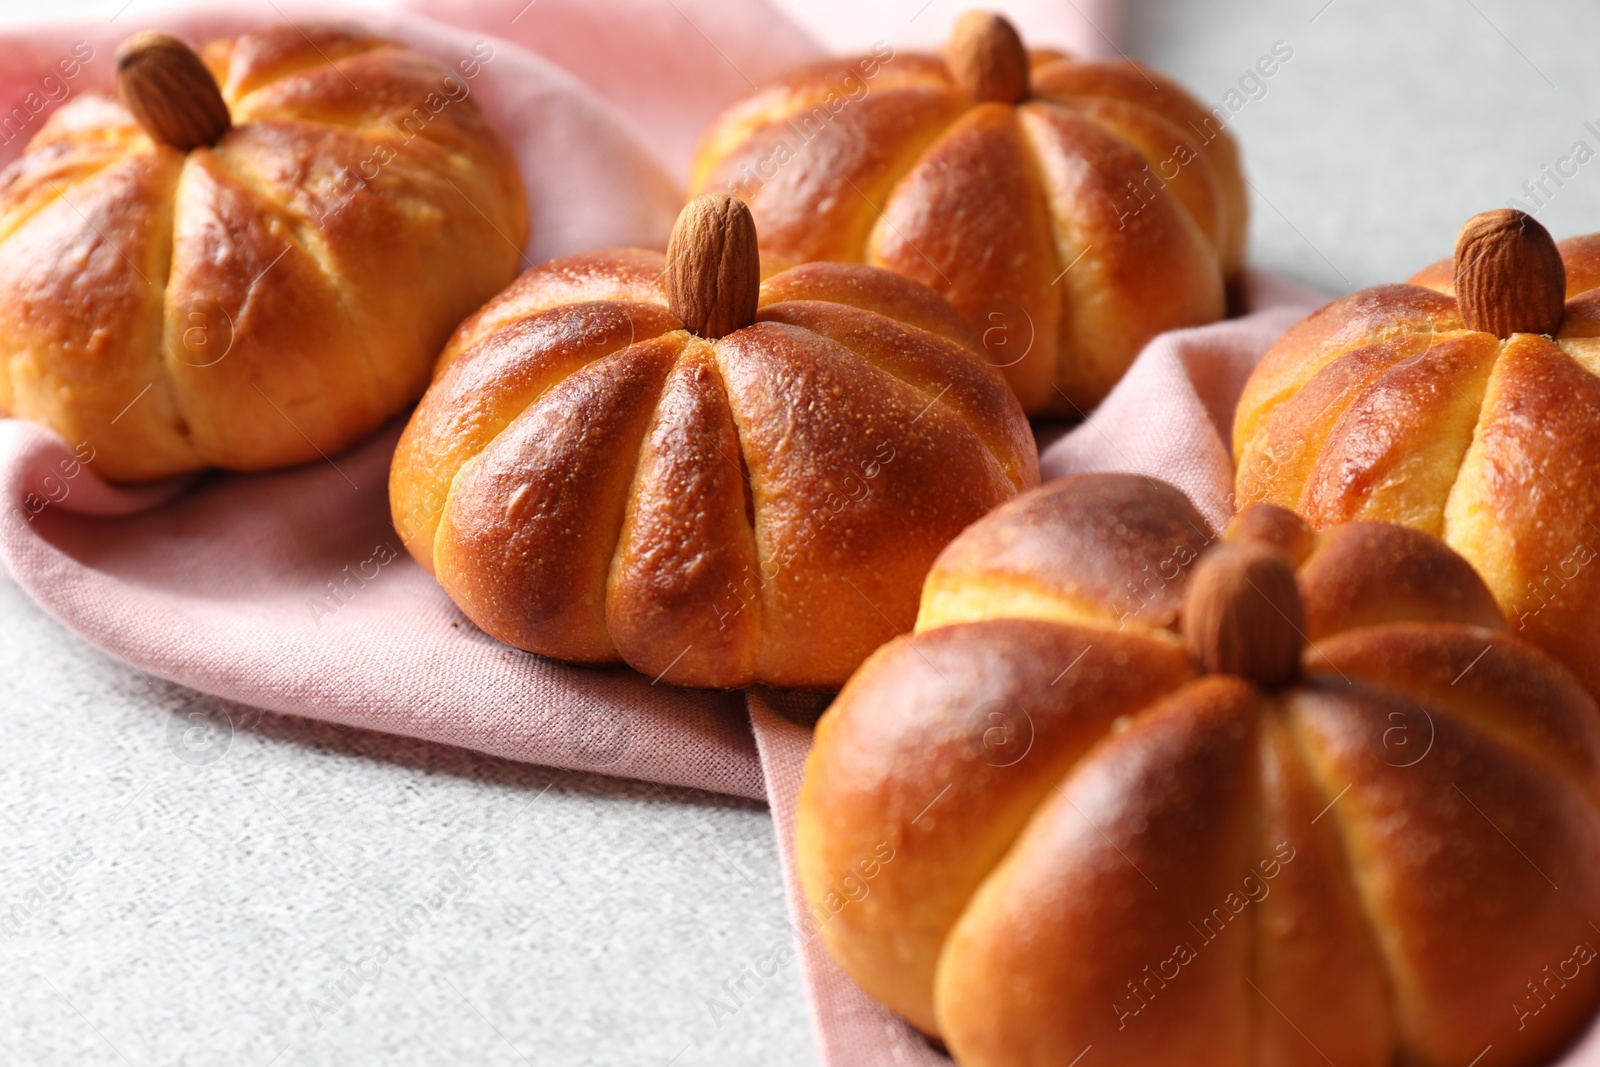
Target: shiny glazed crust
(269,299)
(590,481)
(1071,228)
(1383,406)
(1031,828)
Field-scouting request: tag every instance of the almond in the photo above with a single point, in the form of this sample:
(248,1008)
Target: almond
(1242,614)
(713,277)
(1509,275)
(170,91)
(987,59)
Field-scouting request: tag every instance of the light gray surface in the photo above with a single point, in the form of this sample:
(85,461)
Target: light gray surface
(209,907)
(221,883)
(1393,122)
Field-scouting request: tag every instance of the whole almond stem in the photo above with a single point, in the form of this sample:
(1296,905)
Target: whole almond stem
(713,277)
(1509,275)
(987,58)
(170,91)
(1242,614)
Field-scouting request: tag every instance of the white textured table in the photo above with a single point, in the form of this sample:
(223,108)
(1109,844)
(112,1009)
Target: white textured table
(173,890)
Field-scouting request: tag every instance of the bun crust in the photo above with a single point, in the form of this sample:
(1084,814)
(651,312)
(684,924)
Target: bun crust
(1384,406)
(1070,227)
(590,481)
(266,300)
(1089,843)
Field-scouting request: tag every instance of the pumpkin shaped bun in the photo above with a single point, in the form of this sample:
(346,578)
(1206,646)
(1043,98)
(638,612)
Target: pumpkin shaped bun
(253,258)
(1465,404)
(1071,209)
(1279,797)
(666,462)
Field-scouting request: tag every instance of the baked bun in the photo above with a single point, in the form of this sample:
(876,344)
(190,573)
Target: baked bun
(1279,797)
(664,461)
(260,267)
(1071,209)
(1471,412)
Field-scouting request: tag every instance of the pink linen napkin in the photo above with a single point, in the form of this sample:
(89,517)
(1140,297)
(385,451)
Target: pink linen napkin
(1171,416)
(290,590)
(669,66)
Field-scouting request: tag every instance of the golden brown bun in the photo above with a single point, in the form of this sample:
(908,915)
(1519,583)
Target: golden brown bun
(267,300)
(1060,835)
(1105,168)
(1384,406)
(590,481)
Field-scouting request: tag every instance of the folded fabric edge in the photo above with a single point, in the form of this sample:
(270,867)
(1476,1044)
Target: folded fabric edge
(849,1027)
